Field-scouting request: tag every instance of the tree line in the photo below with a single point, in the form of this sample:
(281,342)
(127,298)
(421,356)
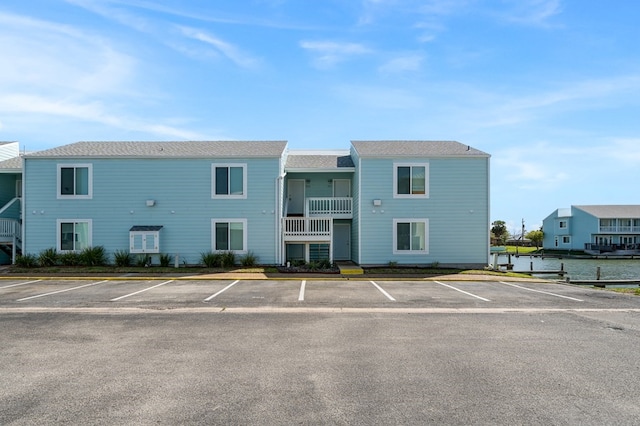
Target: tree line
(500,234)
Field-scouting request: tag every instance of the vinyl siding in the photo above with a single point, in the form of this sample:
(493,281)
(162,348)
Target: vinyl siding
(457,211)
(357,200)
(184,207)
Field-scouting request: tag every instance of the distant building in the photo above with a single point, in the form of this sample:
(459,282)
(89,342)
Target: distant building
(596,229)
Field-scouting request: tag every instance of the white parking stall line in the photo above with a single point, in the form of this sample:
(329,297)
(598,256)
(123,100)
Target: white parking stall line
(16,285)
(221,291)
(141,291)
(301,295)
(462,291)
(387,295)
(61,291)
(543,292)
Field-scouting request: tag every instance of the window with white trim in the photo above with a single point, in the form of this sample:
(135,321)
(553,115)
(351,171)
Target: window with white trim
(411,180)
(562,224)
(73,234)
(410,236)
(229,180)
(229,235)
(75,180)
(566,239)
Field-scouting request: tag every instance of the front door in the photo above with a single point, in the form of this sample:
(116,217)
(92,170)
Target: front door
(341,241)
(342,188)
(295,195)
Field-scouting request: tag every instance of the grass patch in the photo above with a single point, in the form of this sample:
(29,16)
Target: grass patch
(633,291)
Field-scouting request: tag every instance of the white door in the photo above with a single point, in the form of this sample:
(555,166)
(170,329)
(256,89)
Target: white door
(342,188)
(341,241)
(295,195)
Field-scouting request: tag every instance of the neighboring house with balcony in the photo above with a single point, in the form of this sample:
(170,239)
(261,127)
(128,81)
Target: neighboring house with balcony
(410,202)
(595,229)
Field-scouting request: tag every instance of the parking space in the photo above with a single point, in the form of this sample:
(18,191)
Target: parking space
(171,293)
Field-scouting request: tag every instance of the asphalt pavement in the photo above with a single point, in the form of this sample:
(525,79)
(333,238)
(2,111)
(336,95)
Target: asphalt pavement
(178,350)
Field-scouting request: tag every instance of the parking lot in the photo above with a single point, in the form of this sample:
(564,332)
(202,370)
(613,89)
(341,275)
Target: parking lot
(346,352)
(417,295)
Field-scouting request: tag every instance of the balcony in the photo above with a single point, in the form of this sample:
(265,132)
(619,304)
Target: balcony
(307,228)
(334,207)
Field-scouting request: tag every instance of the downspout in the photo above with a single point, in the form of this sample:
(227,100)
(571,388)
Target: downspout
(23,209)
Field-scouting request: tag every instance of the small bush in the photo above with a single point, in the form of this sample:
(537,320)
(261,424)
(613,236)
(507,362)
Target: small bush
(26,260)
(324,264)
(122,258)
(165,260)
(93,256)
(228,259)
(249,260)
(434,265)
(48,257)
(392,264)
(298,263)
(210,259)
(70,258)
(143,260)
(314,265)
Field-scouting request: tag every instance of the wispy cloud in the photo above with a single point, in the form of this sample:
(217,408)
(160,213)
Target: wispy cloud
(228,50)
(329,53)
(406,63)
(531,12)
(379,97)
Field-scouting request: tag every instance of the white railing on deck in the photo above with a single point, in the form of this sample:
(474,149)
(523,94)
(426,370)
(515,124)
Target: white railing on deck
(306,227)
(330,206)
(9,228)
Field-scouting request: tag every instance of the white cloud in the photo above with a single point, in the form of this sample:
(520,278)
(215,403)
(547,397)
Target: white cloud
(532,12)
(407,63)
(329,53)
(231,52)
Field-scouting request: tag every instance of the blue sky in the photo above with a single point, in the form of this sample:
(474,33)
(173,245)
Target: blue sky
(549,88)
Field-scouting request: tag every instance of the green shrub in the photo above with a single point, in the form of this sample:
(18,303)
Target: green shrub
(122,258)
(314,265)
(228,259)
(324,264)
(392,264)
(249,260)
(26,260)
(143,260)
(165,260)
(70,258)
(93,256)
(48,257)
(210,259)
(298,263)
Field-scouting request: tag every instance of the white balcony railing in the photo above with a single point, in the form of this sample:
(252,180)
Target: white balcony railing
(336,207)
(306,228)
(9,228)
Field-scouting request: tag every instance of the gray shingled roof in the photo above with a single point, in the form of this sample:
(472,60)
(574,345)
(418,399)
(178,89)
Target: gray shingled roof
(414,149)
(318,161)
(14,163)
(197,149)
(612,211)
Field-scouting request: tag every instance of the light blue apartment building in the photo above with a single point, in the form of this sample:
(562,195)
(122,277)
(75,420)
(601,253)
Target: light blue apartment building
(409,202)
(595,229)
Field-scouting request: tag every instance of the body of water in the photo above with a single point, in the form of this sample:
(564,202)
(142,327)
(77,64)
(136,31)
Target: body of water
(578,269)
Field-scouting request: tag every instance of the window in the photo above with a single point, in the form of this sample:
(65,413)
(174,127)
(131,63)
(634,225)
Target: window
(74,234)
(411,180)
(230,235)
(229,180)
(562,224)
(75,181)
(410,236)
(566,240)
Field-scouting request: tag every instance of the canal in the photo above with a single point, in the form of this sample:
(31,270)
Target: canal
(577,269)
